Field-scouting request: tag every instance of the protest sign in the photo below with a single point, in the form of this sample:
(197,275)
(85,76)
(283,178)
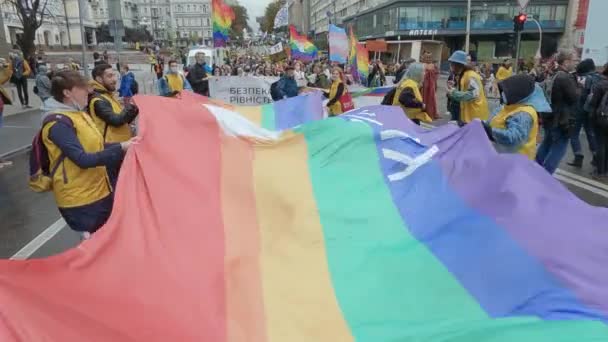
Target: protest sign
(242,91)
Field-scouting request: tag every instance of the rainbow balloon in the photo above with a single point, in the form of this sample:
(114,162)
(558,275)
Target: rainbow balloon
(223,15)
(301,47)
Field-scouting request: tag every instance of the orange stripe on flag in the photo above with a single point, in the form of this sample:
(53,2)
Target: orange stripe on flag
(244,302)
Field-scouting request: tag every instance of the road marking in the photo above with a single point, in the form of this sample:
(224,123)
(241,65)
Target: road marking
(582,185)
(586,180)
(9,126)
(9,154)
(39,241)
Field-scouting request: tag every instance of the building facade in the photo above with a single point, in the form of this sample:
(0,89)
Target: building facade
(128,9)
(60,29)
(492,33)
(299,15)
(192,21)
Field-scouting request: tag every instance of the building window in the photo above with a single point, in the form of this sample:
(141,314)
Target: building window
(205,8)
(208,23)
(188,8)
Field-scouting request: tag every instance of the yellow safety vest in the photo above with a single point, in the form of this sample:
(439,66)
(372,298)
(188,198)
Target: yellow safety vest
(72,185)
(477,108)
(110,133)
(412,113)
(500,121)
(175,82)
(503,73)
(336,108)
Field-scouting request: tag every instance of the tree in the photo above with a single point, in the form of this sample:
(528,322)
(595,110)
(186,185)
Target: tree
(269,13)
(132,35)
(32,14)
(240,21)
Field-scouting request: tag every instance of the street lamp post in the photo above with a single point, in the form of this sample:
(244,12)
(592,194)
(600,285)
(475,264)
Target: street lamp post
(83,38)
(468,33)
(540,38)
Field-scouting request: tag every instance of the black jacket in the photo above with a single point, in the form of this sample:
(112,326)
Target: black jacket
(598,91)
(196,76)
(564,98)
(103,110)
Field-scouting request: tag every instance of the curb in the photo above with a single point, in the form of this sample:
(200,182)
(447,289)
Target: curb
(15,152)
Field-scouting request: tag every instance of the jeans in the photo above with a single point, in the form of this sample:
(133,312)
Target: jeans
(583,121)
(552,149)
(601,135)
(21,84)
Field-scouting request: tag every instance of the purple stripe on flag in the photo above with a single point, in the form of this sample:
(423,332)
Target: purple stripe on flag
(298,110)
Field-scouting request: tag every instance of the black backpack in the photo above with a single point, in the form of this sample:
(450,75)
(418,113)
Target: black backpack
(274,91)
(601,118)
(134,87)
(389,97)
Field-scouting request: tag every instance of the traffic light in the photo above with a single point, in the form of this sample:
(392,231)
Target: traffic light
(519,21)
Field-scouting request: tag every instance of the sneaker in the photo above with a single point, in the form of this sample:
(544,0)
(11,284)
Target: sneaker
(28,106)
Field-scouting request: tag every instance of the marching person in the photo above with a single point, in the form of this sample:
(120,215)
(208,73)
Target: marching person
(336,90)
(20,72)
(408,96)
(5,99)
(173,82)
(77,152)
(469,92)
(127,83)
(504,71)
(598,109)
(43,83)
(197,75)
(111,118)
(558,125)
(287,86)
(515,127)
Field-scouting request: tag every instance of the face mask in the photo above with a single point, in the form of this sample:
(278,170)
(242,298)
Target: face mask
(173,70)
(77,106)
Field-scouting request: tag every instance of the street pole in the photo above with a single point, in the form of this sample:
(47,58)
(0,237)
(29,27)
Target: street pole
(67,24)
(468,33)
(83,37)
(517,52)
(540,38)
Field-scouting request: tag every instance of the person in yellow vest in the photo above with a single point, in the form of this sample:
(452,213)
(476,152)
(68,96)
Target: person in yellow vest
(408,95)
(470,92)
(336,90)
(505,71)
(78,155)
(111,118)
(514,129)
(173,82)
(5,99)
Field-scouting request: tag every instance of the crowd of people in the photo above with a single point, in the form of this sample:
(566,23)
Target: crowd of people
(88,121)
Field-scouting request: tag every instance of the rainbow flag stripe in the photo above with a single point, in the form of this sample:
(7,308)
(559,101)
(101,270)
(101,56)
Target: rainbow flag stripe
(301,47)
(352,54)
(362,62)
(223,15)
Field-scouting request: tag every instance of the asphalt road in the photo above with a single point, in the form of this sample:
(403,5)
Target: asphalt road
(30,225)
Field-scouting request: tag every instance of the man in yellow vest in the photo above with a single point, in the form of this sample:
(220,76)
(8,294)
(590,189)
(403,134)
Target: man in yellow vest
(173,82)
(111,118)
(469,93)
(408,96)
(514,128)
(505,71)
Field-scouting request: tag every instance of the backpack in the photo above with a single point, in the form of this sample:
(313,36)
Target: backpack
(41,176)
(590,81)
(134,87)
(601,118)
(547,86)
(35,89)
(274,91)
(389,97)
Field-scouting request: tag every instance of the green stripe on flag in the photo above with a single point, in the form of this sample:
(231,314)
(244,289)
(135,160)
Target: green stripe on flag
(268,117)
(389,286)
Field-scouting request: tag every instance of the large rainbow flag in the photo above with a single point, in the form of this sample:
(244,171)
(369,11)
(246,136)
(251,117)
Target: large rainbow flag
(352,52)
(301,47)
(223,15)
(362,227)
(362,62)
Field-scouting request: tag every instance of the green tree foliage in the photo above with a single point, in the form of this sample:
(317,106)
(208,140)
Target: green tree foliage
(31,14)
(269,14)
(240,21)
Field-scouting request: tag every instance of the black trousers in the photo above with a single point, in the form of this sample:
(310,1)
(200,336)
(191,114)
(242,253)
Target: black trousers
(21,84)
(601,136)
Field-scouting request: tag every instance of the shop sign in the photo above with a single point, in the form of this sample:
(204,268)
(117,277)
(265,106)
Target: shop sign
(422,32)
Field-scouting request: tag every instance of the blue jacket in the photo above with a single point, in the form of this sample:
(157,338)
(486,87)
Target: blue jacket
(126,82)
(163,86)
(287,87)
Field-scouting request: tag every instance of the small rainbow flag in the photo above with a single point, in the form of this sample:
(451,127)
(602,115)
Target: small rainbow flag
(352,41)
(301,47)
(362,62)
(223,15)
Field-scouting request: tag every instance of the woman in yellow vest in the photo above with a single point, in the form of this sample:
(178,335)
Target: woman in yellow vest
(505,71)
(514,128)
(78,155)
(336,90)
(111,118)
(408,95)
(469,93)
(173,82)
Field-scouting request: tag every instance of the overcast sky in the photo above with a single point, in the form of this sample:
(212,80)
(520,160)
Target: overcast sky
(255,8)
